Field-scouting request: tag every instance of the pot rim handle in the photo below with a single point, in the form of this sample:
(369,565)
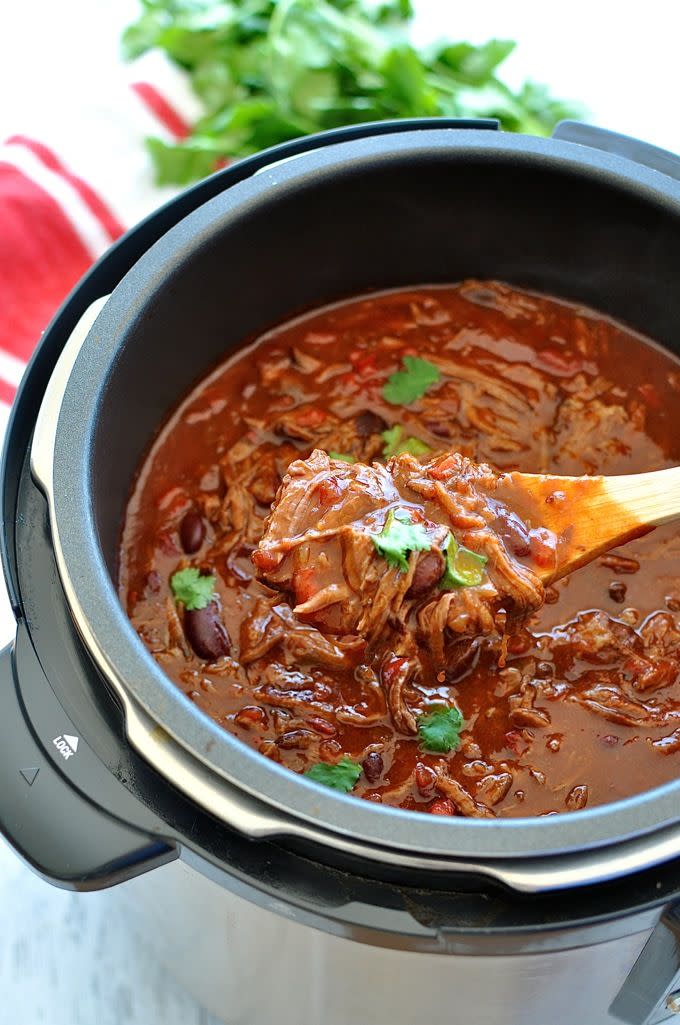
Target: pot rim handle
(45,816)
(603,139)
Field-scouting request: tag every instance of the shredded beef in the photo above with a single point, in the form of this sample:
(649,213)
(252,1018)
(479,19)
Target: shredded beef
(323,526)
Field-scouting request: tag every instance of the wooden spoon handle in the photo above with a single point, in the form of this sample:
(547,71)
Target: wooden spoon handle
(652,498)
(590,515)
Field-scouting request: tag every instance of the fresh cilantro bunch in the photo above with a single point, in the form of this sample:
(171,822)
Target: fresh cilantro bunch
(405,386)
(399,537)
(272,70)
(194,590)
(342,457)
(341,776)
(397,442)
(440,729)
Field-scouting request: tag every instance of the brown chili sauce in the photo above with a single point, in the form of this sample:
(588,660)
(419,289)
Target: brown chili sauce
(578,707)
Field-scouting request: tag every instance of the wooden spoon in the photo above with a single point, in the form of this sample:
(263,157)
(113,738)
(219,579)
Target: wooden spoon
(591,515)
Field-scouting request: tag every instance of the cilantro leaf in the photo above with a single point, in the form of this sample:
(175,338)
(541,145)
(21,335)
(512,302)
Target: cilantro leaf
(341,776)
(407,385)
(192,589)
(266,71)
(342,456)
(399,537)
(440,729)
(396,443)
(463,567)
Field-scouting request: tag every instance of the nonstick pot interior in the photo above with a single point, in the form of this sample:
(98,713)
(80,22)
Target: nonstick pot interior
(415,208)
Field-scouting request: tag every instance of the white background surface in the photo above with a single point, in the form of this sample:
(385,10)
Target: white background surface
(66,957)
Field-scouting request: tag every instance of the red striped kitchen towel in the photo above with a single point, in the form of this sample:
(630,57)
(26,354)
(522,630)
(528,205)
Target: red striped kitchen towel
(68,192)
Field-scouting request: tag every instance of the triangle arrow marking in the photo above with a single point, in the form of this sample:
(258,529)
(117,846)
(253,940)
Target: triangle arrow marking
(71,741)
(29,775)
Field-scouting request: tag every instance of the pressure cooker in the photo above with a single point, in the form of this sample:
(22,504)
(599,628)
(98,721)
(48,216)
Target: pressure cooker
(273,898)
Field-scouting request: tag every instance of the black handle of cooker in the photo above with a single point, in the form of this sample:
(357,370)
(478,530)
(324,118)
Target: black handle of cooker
(621,145)
(46,771)
(651,992)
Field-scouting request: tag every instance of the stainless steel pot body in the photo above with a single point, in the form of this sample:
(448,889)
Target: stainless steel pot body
(247,966)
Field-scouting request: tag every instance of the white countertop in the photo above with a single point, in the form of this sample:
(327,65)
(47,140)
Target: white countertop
(71,957)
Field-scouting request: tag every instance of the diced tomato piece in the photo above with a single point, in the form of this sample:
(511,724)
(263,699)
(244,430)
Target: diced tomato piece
(650,396)
(443,468)
(425,778)
(264,560)
(305,585)
(363,363)
(391,668)
(312,416)
(442,806)
(543,547)
(328,491)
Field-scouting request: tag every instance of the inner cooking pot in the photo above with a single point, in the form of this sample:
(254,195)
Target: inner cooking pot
(389,210)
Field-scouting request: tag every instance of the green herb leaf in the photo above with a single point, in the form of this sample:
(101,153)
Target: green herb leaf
(185,162)
(463,567)
(440,729)
(192,589)
(407,385)
(341,776)
(269,70)
(399,537)
(342,456)
(396,443)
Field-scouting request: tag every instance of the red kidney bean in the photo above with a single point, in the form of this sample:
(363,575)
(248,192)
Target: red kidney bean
(544,670)
(514,533)
(251,715)
(192,532)
(368,423)
(617,591)
(519,643)
(619,563)
(427,574)
(206,632)
(329,750)
(373,767)
(321,725)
